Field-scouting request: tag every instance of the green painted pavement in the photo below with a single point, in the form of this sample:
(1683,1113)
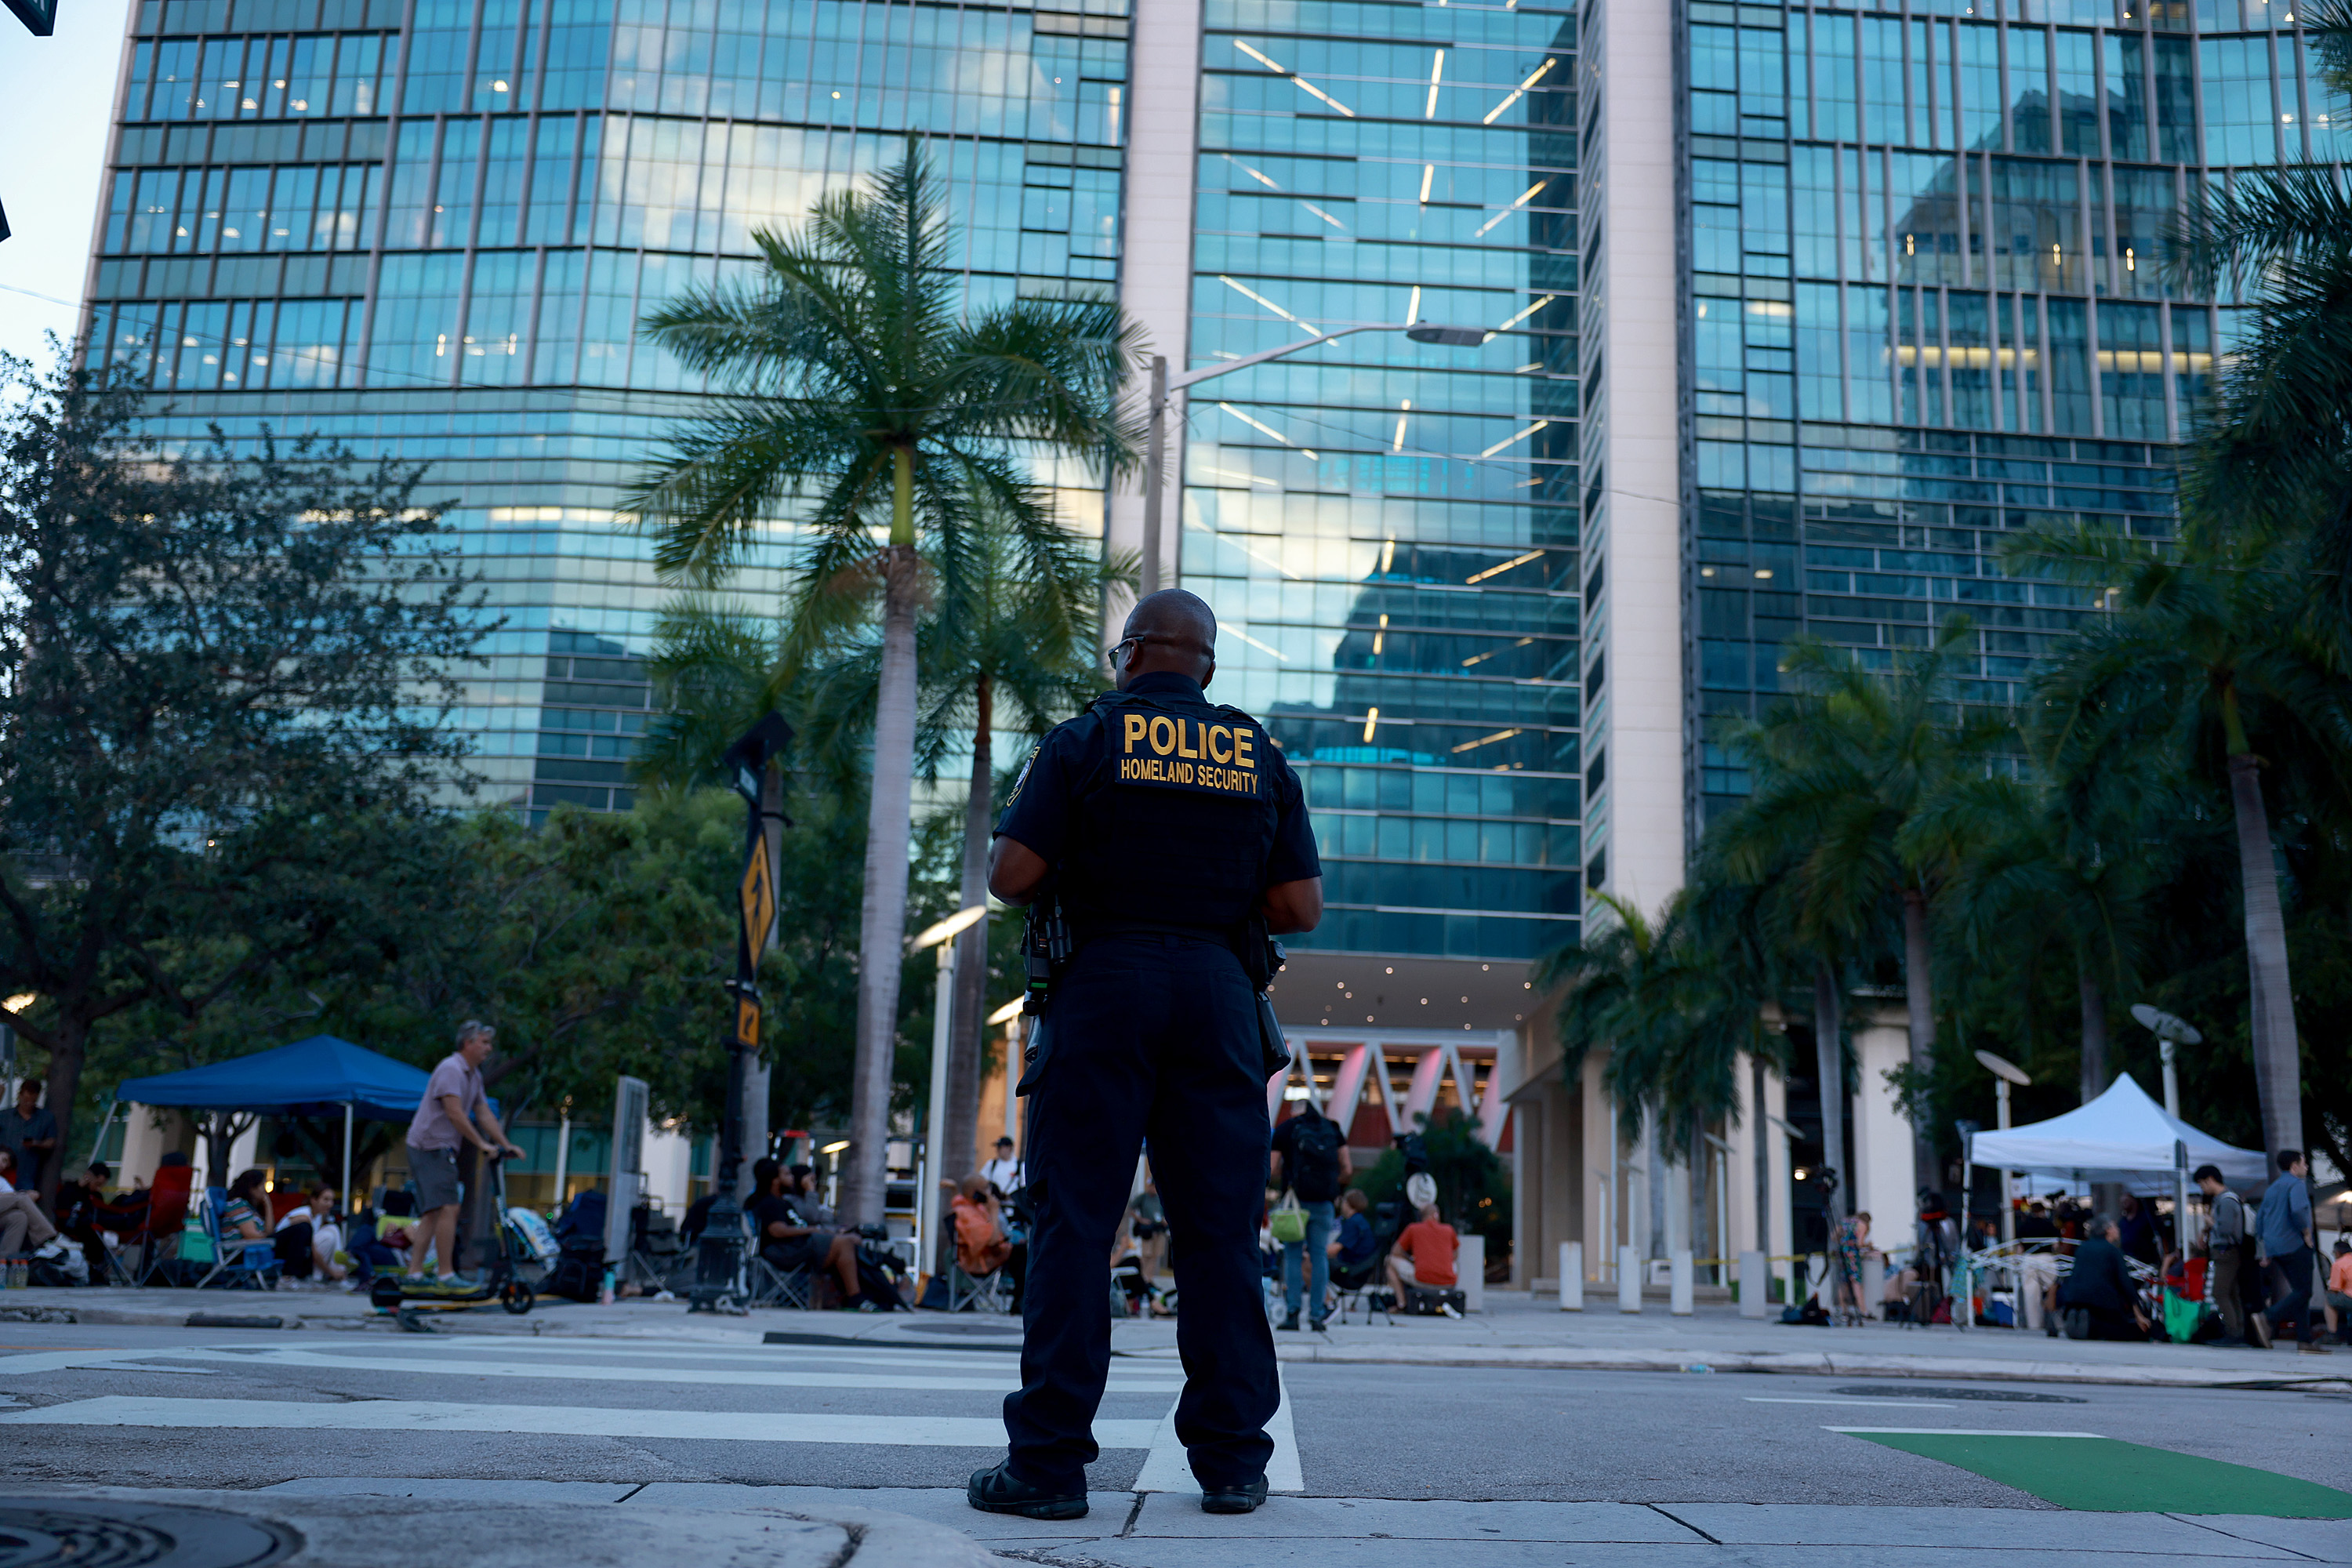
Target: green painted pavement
(2106,1475)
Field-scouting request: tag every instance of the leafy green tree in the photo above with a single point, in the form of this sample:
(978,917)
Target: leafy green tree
(2207,655)
(219,669)
(865,399)
(1848,767)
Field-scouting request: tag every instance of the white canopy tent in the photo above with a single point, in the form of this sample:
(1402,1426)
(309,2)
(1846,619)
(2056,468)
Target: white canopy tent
(2122,1136)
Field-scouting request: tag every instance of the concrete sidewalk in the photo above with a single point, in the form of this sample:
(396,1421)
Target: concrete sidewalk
(359,1523)
(523,1524)
(1515,1330)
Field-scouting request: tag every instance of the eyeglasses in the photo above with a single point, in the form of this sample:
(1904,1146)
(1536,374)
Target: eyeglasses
(1111,654)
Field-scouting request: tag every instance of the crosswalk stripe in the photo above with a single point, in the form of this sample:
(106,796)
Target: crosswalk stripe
(1006,1380)
(1166,1469)
(550,1420)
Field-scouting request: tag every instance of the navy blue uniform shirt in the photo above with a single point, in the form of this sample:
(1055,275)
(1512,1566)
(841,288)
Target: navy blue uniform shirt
(1074,753)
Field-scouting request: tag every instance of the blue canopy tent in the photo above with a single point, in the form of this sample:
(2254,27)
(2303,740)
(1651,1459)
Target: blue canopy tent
(310,1078)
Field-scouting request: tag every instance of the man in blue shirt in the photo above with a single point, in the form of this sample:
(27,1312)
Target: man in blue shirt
(2282,1227)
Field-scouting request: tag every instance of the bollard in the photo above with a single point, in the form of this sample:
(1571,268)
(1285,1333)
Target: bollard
(1629,1280)
(1470,1272)
(1679,1274)
(1755,1285)
(1572,1277)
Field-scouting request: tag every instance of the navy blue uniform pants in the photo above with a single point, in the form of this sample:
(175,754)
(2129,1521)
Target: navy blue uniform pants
(1148,1036)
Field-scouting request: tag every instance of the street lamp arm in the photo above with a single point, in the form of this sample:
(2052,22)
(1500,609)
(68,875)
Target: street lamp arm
(1178,382)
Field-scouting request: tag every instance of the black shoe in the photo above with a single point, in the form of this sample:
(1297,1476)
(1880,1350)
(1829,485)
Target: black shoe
(1290,1323)
(1241,1499)
(1000,1491)
(1319,1325)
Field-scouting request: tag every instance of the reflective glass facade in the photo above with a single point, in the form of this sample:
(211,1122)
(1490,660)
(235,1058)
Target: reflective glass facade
(427,228)
(1389,530)
(1926,307)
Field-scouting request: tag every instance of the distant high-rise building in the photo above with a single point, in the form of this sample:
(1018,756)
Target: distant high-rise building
(1793,312)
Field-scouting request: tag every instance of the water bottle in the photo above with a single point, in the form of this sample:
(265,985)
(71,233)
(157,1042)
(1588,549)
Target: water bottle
(20,1274)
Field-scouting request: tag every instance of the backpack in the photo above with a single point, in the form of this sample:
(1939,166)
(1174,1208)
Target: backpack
(578,1274)
(1314,1148)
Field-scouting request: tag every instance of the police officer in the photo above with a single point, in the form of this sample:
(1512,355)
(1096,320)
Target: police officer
(1163,824)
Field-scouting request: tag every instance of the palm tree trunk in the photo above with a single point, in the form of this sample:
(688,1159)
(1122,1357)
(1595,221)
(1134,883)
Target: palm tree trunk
(2095,1032)
(958,1157)
(1828,1069)
(2278,1077)
(1919,996)
(883,928)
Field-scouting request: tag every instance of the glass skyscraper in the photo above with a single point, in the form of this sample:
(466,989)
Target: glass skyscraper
(1793,312)
(427,228)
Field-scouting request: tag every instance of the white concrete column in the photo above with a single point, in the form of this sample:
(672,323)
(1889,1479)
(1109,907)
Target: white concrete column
(1603,1205)
(1470,1272)
(1155,282)
(1628,1278)
(1882,1134)
(1753,1291)
(1572,1277)
(1631,447)
(668,1160)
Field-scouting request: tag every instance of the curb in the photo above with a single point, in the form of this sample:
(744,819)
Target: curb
(1803,1363)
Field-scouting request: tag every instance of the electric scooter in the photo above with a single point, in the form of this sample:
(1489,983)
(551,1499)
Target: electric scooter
(501,1280)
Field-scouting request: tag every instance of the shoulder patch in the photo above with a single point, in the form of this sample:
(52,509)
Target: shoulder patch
(1174,750)
(1023,777)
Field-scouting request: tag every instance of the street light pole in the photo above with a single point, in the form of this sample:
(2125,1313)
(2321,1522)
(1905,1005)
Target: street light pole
(720,1256)
(1155,442)
(931,1227)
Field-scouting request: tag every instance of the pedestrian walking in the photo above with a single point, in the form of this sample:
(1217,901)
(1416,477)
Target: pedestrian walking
(2283,1227)
(454,1110)
(2225,1245)
(1004,1172)
(1162,839)
(1310,1161)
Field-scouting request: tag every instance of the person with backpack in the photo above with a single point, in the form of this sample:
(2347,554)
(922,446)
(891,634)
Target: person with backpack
(2225,1246)
(1310,1160)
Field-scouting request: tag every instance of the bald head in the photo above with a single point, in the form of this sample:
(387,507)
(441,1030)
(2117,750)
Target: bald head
(1172,631)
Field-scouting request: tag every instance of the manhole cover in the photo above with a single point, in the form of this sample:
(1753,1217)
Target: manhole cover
(96,1533)
(1988,1395)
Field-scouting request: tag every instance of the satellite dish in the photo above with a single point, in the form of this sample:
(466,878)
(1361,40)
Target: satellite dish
(2002,1067)
(2165,1026)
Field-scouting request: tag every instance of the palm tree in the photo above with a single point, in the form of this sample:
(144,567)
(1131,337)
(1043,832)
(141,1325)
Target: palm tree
(2208,653)
(2274,452)
(1845,767)
(864,402)
(2074,862)
(1672,1015)
(1009,642)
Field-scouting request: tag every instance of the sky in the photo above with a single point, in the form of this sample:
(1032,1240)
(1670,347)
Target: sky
(55,95)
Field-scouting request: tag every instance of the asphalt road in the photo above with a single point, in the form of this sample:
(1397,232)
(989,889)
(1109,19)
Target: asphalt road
(250,1409)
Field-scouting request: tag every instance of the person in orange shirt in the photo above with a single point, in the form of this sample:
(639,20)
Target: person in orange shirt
(981,1246)
(1423,1254)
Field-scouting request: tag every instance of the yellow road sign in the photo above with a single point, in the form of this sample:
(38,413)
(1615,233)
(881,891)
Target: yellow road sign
(747,1021)
(759,896)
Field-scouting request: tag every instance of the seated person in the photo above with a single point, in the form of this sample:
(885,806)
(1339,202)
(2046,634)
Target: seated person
(86,1216)
(23,1228)
(1353,1247)
(2337,1296)
(308,1239)
(981,1246)
(802,1184)
(790,1243)
(1423,1254)
(244,1216)
(2101,1284)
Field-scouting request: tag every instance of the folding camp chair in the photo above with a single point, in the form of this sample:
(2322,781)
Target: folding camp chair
(167,1211)
(989,1292)
(239,1265)
(769,1286)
